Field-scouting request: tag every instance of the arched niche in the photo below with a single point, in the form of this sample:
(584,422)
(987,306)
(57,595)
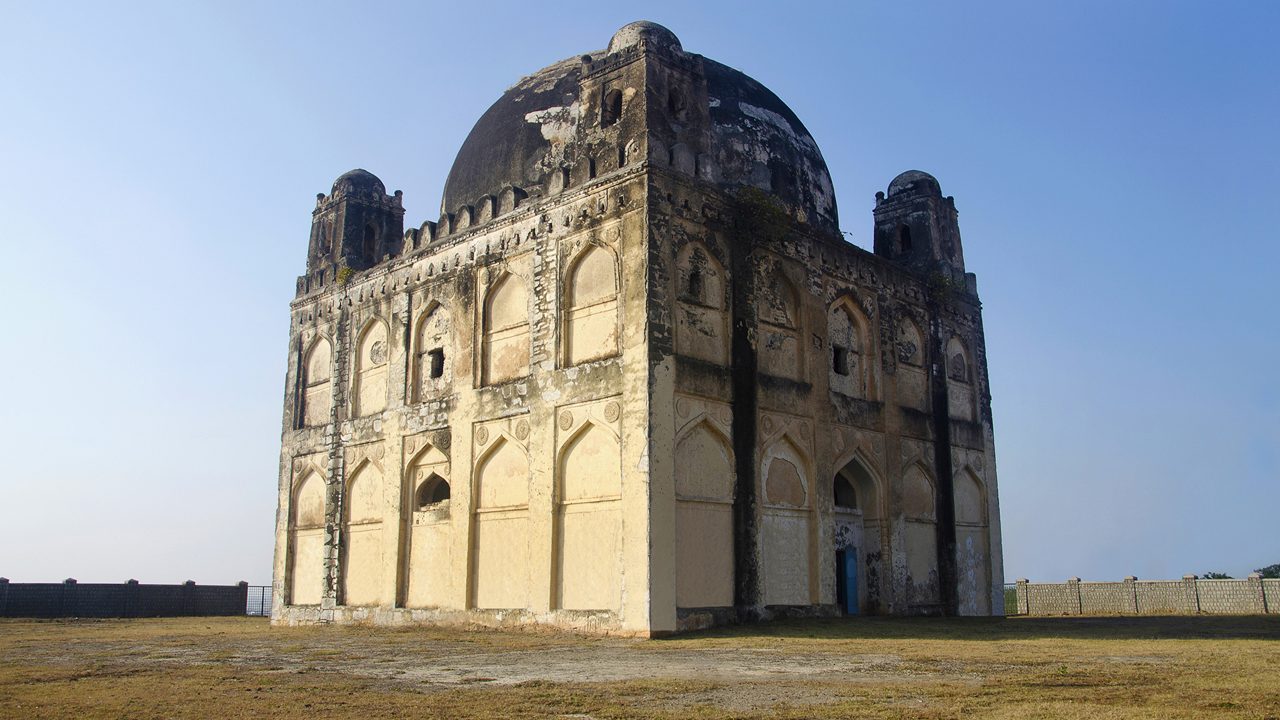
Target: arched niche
(364,507)
(433,353)
(588,522)
(500,577)
(787,545)
(372,355)
(778,309)
(317,383)
(428,571)
(591,306)
(860,529)
(912,388)
(704,517)
(307,554)
(973,558)
(920,526)
(505,331)
(961,397)
(851,365)
(702,323)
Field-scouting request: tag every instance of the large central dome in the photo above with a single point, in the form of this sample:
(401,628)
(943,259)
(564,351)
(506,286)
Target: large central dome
(748,136)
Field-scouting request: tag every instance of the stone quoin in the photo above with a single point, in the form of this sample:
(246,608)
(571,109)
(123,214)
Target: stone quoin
(633,380)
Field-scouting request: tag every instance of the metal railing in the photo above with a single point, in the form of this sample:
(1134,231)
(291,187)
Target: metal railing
(258,601)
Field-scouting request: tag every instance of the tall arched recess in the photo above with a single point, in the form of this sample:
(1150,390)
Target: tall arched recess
(860,528)
(591,312)
(704,518)
(921,529)
(362,546)
(500,579)
(973,581)
(306,562)
(505,331)
(588,522)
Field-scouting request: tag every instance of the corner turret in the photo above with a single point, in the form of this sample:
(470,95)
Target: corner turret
(355,226)
(917,227)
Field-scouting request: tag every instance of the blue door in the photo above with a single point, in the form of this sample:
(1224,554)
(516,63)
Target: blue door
(847,580)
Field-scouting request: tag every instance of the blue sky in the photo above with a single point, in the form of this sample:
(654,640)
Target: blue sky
(1116,167)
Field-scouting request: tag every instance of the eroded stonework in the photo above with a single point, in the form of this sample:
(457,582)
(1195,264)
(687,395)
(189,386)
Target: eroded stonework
(633,380)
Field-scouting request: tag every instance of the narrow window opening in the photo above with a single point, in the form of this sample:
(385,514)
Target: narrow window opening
(622,156)
(694,286)
(611,109)
(591,168)
(904,239)
(370,240)
(434,489)
(436,357)
(840,360)
(564,177)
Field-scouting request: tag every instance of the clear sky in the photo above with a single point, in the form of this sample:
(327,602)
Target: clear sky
(1116,166)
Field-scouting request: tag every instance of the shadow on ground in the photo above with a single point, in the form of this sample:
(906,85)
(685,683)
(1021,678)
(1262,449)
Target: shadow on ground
(1243,627)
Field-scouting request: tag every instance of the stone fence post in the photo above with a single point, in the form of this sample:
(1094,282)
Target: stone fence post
(1190,595)
(1073,588)
(1131,593)
(1023,597)
(1258,595)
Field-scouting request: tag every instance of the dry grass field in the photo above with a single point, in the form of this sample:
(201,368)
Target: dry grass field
(1094,668)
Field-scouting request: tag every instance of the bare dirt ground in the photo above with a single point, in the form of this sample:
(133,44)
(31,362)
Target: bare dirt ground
(1093,668)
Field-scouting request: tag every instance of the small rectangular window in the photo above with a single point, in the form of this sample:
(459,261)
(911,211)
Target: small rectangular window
(437,362)
(840,360)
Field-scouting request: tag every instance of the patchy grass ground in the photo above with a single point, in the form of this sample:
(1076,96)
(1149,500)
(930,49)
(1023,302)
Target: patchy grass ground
(1094,668)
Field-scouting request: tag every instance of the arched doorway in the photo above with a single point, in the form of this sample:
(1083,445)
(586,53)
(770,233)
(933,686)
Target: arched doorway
(859,545)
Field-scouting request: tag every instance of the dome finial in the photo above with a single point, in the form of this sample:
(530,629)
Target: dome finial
(650,32)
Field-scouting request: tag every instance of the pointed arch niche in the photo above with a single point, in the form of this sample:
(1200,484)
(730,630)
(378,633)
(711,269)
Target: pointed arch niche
(781,353)
(432,353)
(960,394)
(505,331)
(317,383)
(704,517)
(370,391)
(921,528)
(702,322)
(860,527)
(427,495)
(851,367)
(588,520)
(786,553)
(362,543)
(306,519)
(912,382)
(591,306)
(500,577)
(972,544)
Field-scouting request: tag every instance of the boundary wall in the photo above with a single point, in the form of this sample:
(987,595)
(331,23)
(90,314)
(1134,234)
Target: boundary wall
(1189,596)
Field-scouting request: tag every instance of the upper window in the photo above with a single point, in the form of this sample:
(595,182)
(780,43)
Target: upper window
(611,108)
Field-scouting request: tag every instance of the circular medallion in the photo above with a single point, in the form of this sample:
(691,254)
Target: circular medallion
(682,407)
(482,434)
(612,411)
(378,353)
(566,420)
(522,430)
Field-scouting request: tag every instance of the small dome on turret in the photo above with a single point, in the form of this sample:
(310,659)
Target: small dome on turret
(650,32)
(916,182)
(358,182)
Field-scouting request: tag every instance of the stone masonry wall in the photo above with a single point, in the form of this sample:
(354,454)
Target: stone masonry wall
(1189,596)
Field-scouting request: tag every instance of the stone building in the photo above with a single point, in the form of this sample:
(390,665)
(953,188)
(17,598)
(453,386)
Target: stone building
(633,379)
